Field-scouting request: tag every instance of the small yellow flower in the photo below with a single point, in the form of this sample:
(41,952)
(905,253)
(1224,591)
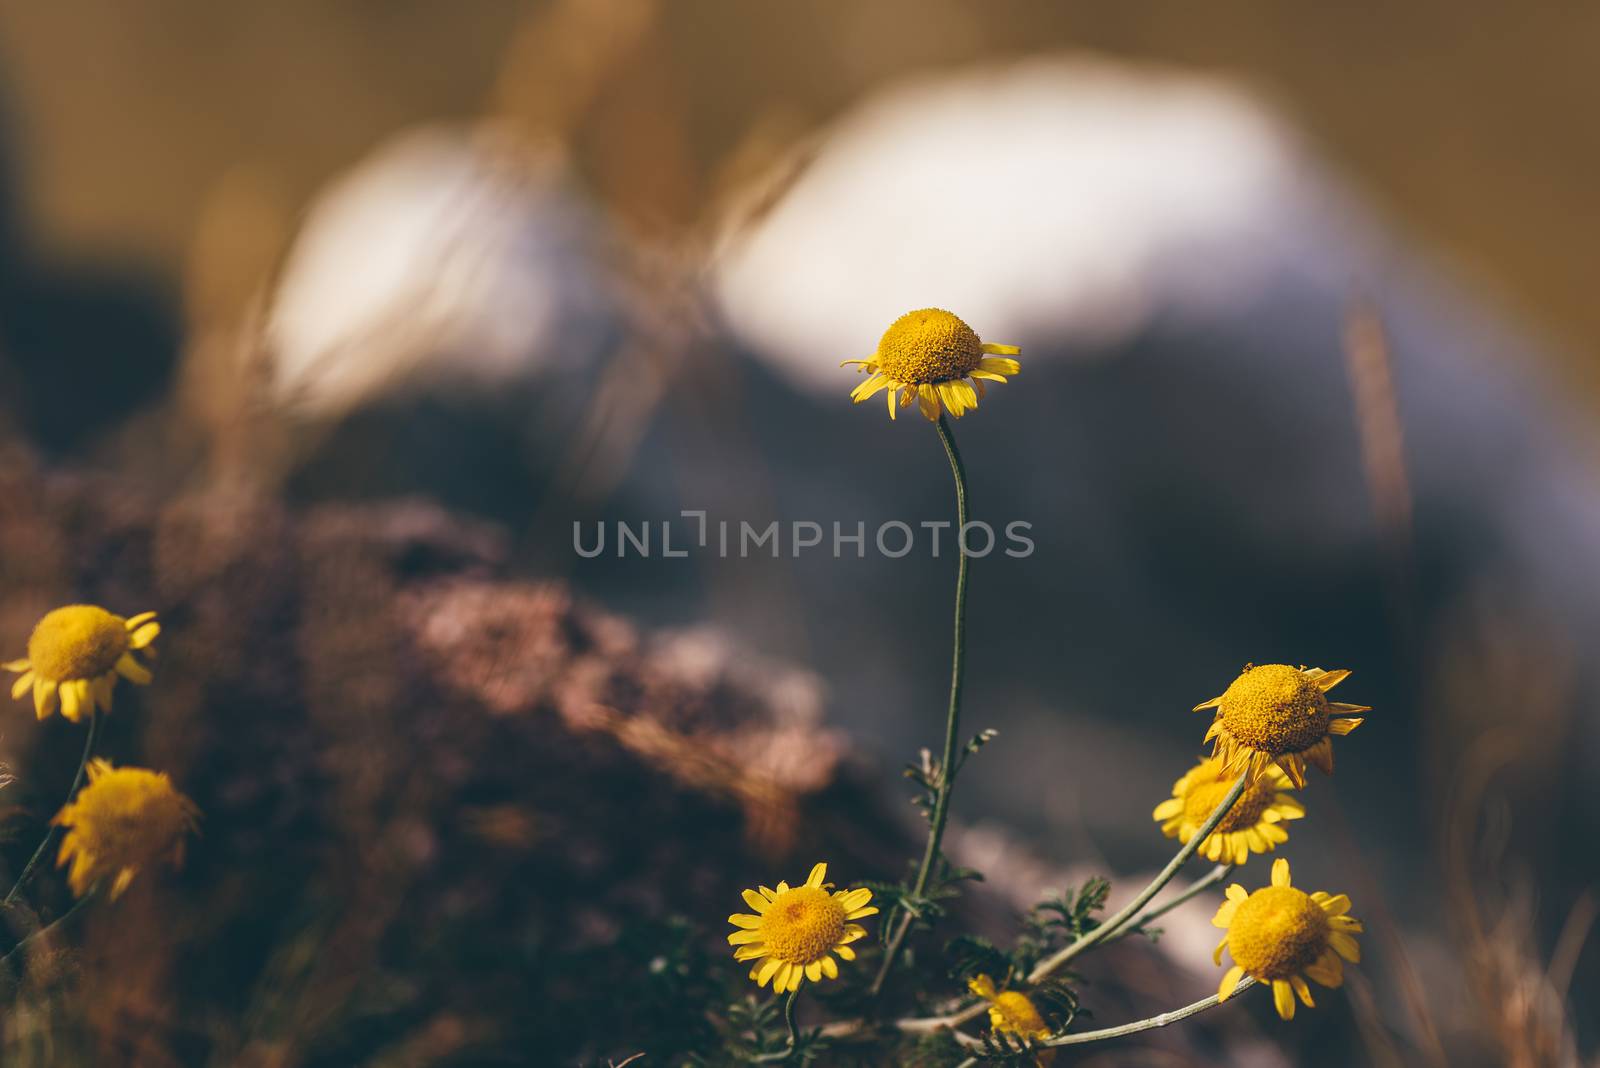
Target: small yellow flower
(1277,714)
(796,929)
(1252,825)
(1282,936)
(75,655)
(124,819)
(1011,1012)
(934,358)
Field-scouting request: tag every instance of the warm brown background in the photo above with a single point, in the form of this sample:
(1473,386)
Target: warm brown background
(1470,124)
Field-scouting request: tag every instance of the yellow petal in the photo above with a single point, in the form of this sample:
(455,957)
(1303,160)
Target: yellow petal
(1280,872)
(999,365)
(1328,969)
(132,670)
(749,952)
(101,689)
(850,900)
(857,914)
(1224,916)
(70,698)
(755,900)
(845,952)
(999,350)
(1168,809)
(1302,990)
(830,967)
(1283,998)
(1342,727)
(144,635)
(745,920)
(1345,946)
(818,873)
(768,970)
(17,665)
(1327,680)
(44,697)
(814,971)
(1337,905)
(1216,954)
(928,402)
(1230,980)
(1236,893)
(22,685)
(739,938)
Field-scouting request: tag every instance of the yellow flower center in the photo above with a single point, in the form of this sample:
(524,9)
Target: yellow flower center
(1276,709)
(926,346)
(802,925)
(1013,1012)
(1277,932)
(1200,801)
(79,641)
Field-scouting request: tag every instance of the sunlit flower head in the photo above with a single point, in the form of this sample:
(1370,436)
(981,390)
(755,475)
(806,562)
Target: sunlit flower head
(123,820)
(1277,714)
(934,358)
(1282,936)
(1252,825)
(75,655)
(1014,1013)
(796,931)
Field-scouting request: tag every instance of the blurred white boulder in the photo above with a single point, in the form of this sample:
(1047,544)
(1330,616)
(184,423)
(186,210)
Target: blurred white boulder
(452,256)
(1063,200)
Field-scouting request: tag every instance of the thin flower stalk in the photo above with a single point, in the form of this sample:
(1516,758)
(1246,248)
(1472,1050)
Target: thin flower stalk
(1149,1023)
(50,831)
(947,764)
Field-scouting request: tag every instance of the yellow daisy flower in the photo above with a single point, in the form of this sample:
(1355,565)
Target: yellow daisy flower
(1252,825)
(797,928)
(75,655)
(1011,1012)
(1277,714)
(934,358)
(1283,936)
(124,819)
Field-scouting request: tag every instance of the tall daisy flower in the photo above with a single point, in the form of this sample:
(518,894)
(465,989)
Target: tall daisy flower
(1252,825)
(1011,1012)
(1283,936)
(123,820)
(934,358)
(796,931)
(75,655)
(1277,714)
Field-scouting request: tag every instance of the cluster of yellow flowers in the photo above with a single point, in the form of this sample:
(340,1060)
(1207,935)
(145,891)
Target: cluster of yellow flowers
(1271,722)
(123,819)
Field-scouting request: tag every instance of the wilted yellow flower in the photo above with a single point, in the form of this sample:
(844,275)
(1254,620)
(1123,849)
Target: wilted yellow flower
(1251,825)
(1013,1013)
(1283,936)
(75,655)
(796,929)
(931,356)
(124,819)
(1277,714)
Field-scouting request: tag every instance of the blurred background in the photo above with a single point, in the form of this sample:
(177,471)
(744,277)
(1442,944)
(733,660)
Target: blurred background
(321,325)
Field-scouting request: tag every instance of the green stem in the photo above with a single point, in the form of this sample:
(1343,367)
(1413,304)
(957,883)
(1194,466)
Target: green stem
(1200,886)
(50,832)
(947,764)
(52,925)
(1131,909)
(794,1035)
(1150,1023)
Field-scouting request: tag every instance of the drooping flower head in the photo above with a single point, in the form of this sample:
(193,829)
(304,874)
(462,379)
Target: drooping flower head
(1012,1012)
(1277,714)
(1283,936)
(75,655)
(796,931)
(1252,825)
(123,819)
(934,358)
